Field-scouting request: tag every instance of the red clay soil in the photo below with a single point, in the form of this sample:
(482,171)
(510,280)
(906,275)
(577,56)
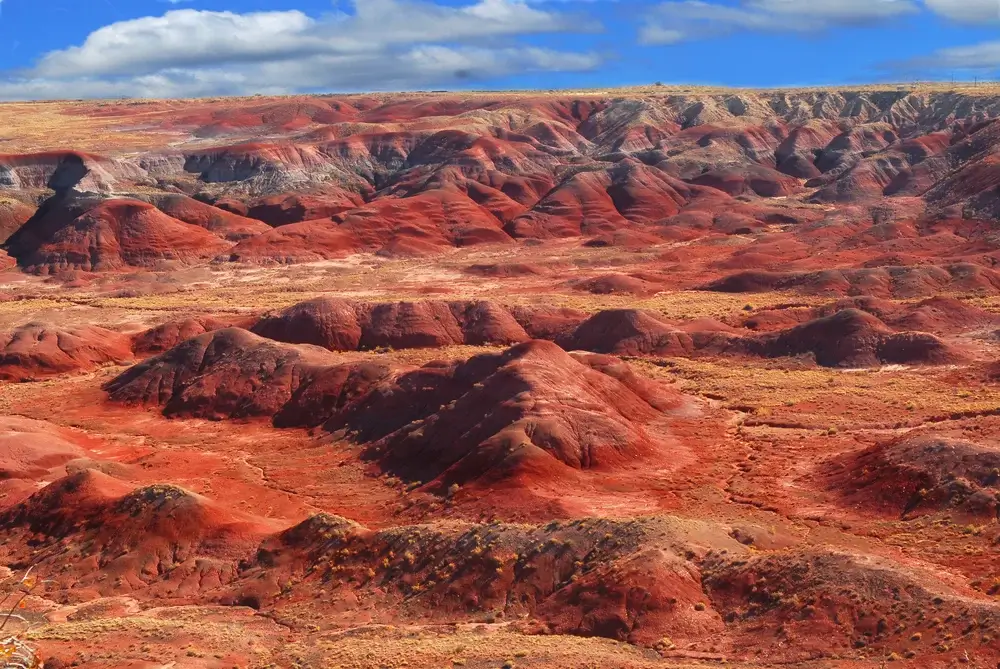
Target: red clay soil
(745,412)
(922,473)
(427,222)
(938,315)
(168,335)
(281,210)
(232,373)
(34,450)
(222,223)
(38,351)
(529,412)
(13,214)
(79,233)
(819,600)
(852,338)
(595,202)
(339,325)
(174,542)
(396,227)
(756,180)
(885,282)
(308,241)
(541,577)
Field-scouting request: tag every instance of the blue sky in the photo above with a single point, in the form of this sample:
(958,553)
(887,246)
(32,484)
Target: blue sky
(159,48)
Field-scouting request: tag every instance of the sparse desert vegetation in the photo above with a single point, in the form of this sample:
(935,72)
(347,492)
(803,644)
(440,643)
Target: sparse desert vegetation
(651,377)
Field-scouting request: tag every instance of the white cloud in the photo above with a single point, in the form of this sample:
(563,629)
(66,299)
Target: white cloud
(678,20)
(983,57)
(382,44)
(966,11)
(182,38)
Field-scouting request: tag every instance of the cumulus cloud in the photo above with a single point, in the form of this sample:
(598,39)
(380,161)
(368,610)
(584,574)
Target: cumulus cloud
(381,44)
(679,20)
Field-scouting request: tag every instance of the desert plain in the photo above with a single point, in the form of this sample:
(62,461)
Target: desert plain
(650,377)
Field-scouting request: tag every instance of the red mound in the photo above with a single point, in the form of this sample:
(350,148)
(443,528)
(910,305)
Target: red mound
(162,537)
(848,337)
(551,323)
(33,449)
(328,322)
(635,581)
(310,241)
(939,315)
(281,210)
(921,473)
(232,373)
(769,320)
(506,270)
(628,332)
(749,180)
(170,334)
(218,221)
(430,221)
(885,282)
(824,598)
(533,410)
(339,325)
(943,315)
(851,338)
(411,226)
(430,324)
(617,284)
(37,351)
(80,233)
(595,202)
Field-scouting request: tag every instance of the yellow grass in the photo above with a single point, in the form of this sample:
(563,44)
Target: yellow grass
(130,125)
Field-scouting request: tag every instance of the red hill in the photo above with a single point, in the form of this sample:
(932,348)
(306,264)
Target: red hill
(81,233)
(38,351)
